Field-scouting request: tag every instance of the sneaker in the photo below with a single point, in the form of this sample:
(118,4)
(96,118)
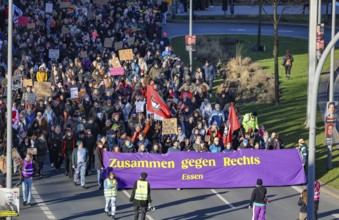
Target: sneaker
(84,187)
(178,189)
(28,204)
(107,213)
(52,164)
(24,203)
(76,184)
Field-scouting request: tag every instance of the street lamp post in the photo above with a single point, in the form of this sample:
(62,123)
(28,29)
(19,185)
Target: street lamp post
(331,92)
(9,98)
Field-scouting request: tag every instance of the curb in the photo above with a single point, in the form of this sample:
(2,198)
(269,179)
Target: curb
(329,190)
(240,22)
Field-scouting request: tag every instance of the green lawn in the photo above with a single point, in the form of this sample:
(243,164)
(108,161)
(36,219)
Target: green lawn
(287,119)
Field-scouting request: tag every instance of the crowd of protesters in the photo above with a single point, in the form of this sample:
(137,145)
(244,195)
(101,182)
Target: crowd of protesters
(106,116)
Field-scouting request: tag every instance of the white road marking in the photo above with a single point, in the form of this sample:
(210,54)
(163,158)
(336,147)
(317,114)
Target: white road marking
(299,189)
(128,196)
(43,207)
(223,199)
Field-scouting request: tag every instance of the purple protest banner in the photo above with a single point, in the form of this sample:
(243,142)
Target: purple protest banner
(208,170)
(117,71)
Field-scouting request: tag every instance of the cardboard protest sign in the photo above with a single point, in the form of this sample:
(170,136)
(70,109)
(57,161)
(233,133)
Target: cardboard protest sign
(48,7)
(126,54)
(116,62)
(74,93)
(65,30)
(30,25)
(81,93)
(53,53)
(3,166)
(117,71)
(23,20)
(118,45)
(17,82)
(169,126)
(65,4)
(83,54)
(11,200)
(27,82)
(32,150)
(42,89)
(17,160)
(108,42)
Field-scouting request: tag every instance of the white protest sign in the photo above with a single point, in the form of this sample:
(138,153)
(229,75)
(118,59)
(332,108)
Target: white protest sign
(74,93)
(49,8)
(139,106)
(53,53)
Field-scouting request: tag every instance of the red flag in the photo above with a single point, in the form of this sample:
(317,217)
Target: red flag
(233,125)
(156,105)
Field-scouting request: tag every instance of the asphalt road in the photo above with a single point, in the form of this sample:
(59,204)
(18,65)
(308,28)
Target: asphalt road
(55,196)
(180,29)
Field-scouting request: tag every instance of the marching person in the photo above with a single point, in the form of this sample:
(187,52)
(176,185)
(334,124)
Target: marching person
(141,196)
(258,201)
(316,198)
(98,163)
(28,168)
(79,163)
(110,192)
(303,205)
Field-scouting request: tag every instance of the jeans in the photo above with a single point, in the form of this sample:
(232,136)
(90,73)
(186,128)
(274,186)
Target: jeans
(68,165)
(80,171)
(142,211)
(99,177)
(27,189)
(108,200)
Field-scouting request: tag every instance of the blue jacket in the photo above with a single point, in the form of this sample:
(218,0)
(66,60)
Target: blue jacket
(215,149)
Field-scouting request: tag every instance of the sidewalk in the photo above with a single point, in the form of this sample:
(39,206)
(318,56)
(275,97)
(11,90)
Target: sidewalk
(251,10)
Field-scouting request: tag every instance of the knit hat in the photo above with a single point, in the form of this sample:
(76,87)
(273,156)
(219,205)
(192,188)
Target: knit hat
(79,142)
(259,182)
(143,175)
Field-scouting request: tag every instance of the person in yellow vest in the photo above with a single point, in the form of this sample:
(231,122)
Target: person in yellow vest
(110,192)
(141,196)
(250,122)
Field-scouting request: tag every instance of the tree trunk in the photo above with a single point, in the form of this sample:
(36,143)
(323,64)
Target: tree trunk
(259,24)
(275,53)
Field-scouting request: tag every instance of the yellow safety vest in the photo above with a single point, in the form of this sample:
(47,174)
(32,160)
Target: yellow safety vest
(113,190)
(141,191)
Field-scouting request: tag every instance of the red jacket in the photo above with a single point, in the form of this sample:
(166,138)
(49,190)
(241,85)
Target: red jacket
(64,146)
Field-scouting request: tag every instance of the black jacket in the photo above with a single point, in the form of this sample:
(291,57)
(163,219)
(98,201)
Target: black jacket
(139,202)
(98,162)
(259,195)
(303,206)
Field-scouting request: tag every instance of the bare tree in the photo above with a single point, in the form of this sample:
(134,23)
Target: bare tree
(275,20)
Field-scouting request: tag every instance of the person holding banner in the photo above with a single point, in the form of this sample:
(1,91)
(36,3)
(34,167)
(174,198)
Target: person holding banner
(258,201)
(141,196)
(110,192)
